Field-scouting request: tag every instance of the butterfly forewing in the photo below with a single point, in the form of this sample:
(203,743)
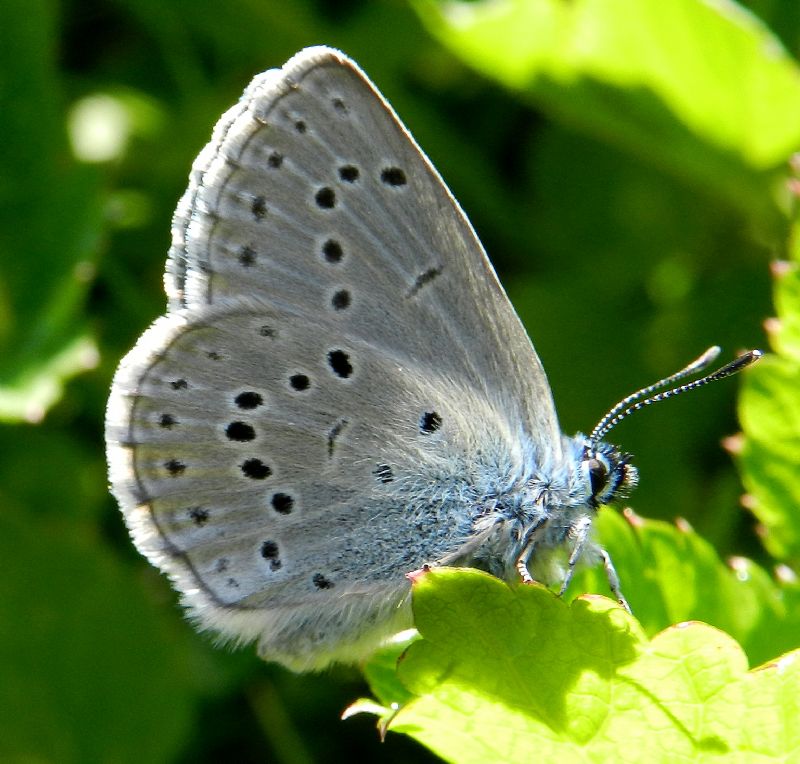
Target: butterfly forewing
(314,196)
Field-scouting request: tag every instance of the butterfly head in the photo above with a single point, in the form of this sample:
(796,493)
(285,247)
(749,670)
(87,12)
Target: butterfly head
(607,472)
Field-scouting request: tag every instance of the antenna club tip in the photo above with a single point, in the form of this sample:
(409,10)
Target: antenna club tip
(751,356)
(738,363)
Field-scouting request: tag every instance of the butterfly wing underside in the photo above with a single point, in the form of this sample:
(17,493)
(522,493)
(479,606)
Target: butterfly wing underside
(339,379)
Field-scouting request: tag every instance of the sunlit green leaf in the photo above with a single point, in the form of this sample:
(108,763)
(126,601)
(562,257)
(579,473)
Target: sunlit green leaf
(700,88)
(503,671)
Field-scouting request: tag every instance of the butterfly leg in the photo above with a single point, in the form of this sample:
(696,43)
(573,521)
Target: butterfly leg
(613,579)
(522,562)
(532,535)
(580,531)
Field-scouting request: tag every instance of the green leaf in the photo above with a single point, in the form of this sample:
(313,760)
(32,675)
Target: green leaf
(670,574)
(700,89)
(381,671)
(503,671)
(770,414)
(381,674)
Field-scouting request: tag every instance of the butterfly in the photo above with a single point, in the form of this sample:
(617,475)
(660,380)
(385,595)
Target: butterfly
(340,391)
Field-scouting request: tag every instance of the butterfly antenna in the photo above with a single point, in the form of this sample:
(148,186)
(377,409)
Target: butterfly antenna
(634,402)
(709,356)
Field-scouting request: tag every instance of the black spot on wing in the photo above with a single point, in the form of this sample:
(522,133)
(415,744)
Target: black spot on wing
(424,278)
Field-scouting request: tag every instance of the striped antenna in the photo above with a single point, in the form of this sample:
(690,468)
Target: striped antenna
(634,402)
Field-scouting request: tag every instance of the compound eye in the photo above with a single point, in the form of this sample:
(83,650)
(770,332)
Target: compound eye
(598,475)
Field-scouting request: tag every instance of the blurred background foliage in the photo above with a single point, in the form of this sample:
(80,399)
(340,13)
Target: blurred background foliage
(624,162)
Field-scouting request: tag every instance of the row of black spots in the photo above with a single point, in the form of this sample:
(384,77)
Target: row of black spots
(383,472)
(332,252)
(271,553)
(332,249)
(325,197)
(429,422)
(258,206)
(339,363)
(390,176)
(179,384)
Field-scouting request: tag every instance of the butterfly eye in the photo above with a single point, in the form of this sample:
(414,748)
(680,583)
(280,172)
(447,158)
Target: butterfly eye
(598,475)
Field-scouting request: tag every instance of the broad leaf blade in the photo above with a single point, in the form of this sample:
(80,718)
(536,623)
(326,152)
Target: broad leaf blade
(503,671)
